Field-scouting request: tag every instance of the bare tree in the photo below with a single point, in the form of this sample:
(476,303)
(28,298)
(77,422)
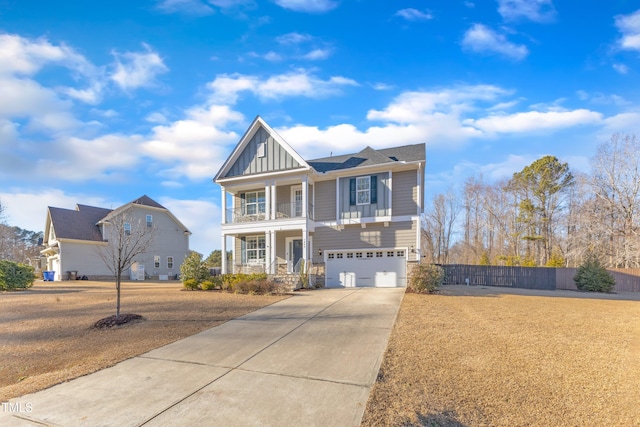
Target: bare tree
(127,239)
(616,184)
(440,223)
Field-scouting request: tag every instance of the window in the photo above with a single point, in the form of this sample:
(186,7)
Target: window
(390,253)
(255,249)
(339,256)
(358,254)
(254,203)
(378,254)
(330,256)
(149,220)
(156,261)
(369,254)
(349,254)
(127,229)
(363,190)
(400,253)
(169,262)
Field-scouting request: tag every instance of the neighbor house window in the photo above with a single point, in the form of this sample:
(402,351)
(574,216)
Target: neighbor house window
(254,203)
(149,220)
(156,261)
(127,229)
(169,262)
(363,190)
(255,249)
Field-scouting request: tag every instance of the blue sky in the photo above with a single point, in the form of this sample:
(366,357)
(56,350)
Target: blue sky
(104,101)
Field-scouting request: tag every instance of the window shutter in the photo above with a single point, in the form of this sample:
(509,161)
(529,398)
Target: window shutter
(243,247)
(352,191)
(243,210)
(374,189)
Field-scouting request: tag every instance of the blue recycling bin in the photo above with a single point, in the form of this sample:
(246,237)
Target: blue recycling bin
(49,276)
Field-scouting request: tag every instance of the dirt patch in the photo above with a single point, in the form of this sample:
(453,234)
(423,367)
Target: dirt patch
(46,335)
(472,356)
(115,321)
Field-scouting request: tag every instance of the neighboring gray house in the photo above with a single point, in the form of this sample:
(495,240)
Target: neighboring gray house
(72,240)
(354,217)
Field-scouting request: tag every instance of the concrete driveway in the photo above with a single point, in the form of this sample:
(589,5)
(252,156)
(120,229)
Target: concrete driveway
(308,360)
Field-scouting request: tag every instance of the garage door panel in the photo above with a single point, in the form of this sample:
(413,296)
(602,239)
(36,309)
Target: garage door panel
(382,268)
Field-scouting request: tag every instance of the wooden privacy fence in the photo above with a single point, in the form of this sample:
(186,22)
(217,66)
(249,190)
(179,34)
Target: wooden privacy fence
(491,275)
(627,279)
(544,278)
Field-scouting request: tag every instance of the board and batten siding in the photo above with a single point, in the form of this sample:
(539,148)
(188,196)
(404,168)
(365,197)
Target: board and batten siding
(325,204)
(276,158)
(380,208)
(400,234)
(404,197)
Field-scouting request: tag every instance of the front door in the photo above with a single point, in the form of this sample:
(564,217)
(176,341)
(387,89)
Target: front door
(294,255)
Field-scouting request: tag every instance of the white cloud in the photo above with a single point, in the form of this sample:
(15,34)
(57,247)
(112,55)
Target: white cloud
(317,54)
(193,146)
(481,39)
(202,218)
(28,210)
(226,88)
(629,26)
(626,122)
(621,68)
(293,38)
(309,6)
(411,14)
(382,86)
(535,121)
(533,10)
(137,69)
(190,7)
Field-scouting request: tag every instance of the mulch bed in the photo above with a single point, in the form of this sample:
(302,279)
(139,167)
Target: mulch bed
(112,321)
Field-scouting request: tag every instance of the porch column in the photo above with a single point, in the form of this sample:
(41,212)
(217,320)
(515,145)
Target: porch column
(223,204)
(305,196)
(267,201)
(305,245)
(273,268)
(223,262)
(274,204)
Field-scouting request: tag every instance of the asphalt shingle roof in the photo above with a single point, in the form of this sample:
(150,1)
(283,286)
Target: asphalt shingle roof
(369,156)
(79,224)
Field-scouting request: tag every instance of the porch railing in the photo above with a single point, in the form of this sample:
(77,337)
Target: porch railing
(283,211)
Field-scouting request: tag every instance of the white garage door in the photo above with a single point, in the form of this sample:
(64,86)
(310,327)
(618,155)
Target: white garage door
(366,267)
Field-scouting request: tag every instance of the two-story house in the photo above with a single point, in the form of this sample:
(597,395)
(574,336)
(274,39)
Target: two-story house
(75,240)
(355,218)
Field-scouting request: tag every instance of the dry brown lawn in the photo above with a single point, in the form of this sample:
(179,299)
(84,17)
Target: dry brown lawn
(46,336)
(478,356)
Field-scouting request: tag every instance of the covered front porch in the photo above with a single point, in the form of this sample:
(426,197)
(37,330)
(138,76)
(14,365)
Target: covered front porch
(271,251)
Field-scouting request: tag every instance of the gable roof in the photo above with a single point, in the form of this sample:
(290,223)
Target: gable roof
(82,223)
(257,124)
(370,157)
(78,224)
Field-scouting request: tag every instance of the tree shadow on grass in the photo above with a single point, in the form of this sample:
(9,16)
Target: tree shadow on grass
(444,419)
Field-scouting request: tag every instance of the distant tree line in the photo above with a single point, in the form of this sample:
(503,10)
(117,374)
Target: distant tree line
(17,244)
(544,215)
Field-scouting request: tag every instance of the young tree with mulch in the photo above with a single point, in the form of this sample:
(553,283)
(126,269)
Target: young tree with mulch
(128,239)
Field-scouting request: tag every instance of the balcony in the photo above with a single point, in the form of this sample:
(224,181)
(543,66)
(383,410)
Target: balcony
(254,214)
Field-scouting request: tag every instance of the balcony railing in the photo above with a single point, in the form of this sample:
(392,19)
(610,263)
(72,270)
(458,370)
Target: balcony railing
(283,211)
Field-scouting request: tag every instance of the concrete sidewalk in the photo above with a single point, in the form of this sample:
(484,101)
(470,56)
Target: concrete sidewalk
(308,360)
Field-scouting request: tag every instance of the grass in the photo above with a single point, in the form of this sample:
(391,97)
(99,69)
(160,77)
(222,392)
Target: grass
(478,356)
(46,335)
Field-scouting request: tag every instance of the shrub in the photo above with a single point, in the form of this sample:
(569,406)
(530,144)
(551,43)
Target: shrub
(193,269)
(426,278)
(15,276)
(592,276)
(252,284)
(207,285)
(190,284)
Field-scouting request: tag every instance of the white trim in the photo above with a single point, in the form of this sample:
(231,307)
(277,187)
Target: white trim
(337,199)
(288,254)
(259,177)
(292,199)
(419,190)
(390,193)
(368,190)
(251,131)
(223,203)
